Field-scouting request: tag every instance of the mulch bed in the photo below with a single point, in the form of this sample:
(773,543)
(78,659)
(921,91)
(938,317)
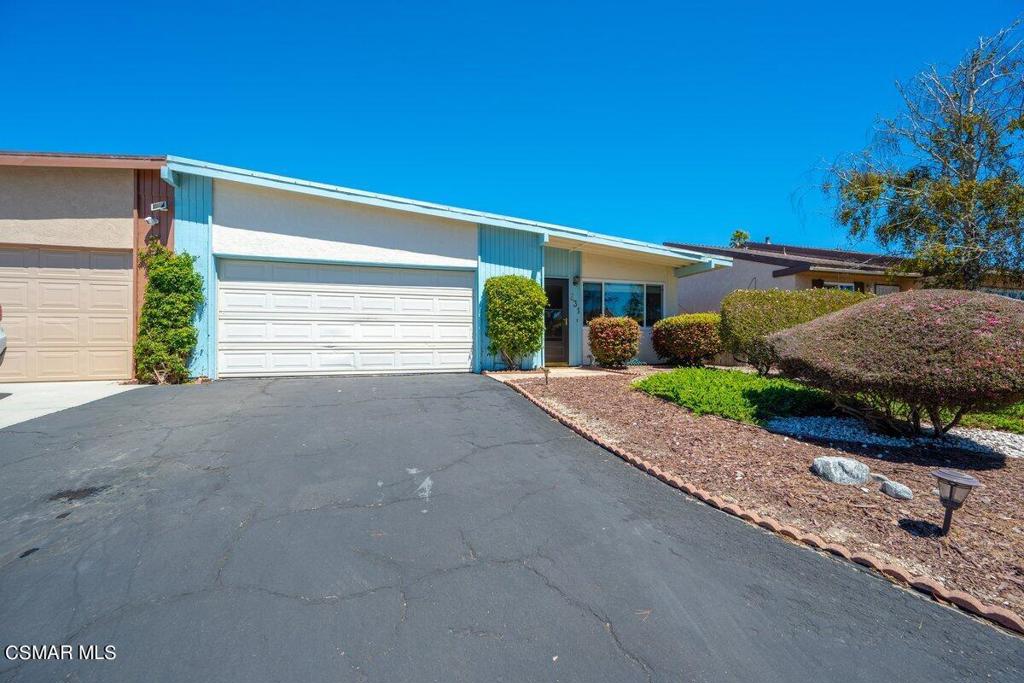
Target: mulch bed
(769,474)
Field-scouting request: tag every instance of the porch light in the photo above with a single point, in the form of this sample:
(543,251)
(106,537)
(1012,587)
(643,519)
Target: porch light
(954,487)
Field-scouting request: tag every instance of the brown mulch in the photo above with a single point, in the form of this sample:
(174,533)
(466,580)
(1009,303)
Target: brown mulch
(769,474)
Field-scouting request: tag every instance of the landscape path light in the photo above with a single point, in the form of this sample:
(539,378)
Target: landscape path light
(954,487)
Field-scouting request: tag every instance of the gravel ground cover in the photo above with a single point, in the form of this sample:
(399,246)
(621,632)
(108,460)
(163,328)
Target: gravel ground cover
(845,429)
(770,474)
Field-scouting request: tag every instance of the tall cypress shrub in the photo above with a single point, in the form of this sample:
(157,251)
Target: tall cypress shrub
(167,335)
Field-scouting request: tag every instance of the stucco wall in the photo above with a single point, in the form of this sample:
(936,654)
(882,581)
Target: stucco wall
(600,267)
(705,291)
(255,221)
(68,207)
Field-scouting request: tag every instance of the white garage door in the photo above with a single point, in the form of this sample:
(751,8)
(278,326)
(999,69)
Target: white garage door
(67,314)
(301,319)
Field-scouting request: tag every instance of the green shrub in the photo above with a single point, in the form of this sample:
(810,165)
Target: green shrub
(733,394)
(166,334)
(935,354)
(515,317)
(749,316)
(614,341)
(687,339)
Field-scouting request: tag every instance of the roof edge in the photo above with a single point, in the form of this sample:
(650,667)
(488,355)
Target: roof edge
(80,160)
(185,165)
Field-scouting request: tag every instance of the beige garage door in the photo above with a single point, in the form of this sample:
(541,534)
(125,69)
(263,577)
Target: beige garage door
(67,314)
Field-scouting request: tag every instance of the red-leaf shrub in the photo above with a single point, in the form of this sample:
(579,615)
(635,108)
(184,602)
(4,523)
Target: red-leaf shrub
(687,339)
(934,353)
(614,341)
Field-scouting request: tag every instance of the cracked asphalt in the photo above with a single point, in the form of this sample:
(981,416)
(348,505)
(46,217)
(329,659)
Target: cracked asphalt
(430,528)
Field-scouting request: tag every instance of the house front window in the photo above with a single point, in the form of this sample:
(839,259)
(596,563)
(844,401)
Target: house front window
(642,302)
(881,289)
(845,286)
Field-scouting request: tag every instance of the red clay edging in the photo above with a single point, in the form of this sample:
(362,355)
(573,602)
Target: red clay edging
(924,584)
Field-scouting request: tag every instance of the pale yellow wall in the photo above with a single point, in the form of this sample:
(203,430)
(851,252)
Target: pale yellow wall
(600,267)
(68,207)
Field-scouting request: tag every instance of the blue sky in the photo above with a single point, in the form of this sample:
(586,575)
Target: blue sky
(658,121)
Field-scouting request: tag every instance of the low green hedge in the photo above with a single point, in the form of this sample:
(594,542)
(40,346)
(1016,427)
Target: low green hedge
(687,339)
(749,316)
(735,395)
(614,341)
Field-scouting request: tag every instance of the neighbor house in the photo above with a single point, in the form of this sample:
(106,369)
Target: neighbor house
(71,226)
(300,277)
(784,266)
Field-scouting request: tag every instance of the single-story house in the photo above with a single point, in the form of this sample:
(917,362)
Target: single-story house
(70,228)
(300,278)
(309,278)
(785,266)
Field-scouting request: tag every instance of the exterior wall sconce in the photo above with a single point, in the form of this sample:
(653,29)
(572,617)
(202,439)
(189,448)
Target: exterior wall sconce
(954,487)
(575,280)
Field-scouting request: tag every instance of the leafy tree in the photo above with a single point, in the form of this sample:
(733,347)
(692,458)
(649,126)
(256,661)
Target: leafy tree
(515,317)
(739,238)
(941,184)
(166,333)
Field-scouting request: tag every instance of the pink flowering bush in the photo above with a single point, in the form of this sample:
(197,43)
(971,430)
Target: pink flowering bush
(614,341)
(934,354)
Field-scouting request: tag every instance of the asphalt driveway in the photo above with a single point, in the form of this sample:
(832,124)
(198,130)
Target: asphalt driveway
(434,528)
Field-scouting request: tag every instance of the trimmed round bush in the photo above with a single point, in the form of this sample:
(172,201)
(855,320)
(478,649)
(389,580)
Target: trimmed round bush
(935,353)
(687,339)
(614,341)
(750,315)
(515,317)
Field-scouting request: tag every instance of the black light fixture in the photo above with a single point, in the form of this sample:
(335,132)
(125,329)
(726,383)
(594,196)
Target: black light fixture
(575,280)
(954,487)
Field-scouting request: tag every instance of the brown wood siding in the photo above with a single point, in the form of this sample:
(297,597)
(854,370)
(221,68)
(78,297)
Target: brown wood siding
(150,188)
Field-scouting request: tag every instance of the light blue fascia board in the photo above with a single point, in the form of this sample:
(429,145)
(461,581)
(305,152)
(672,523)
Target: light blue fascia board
(503,252)
(193,222)
(240,175)
(340,262)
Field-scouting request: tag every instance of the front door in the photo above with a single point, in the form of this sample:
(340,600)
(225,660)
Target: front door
(556,321)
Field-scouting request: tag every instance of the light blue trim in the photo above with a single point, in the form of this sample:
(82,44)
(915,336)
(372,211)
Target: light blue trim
(193,222)
(563,263)
(548,230)
(503,252)
(696,268)
(340,262)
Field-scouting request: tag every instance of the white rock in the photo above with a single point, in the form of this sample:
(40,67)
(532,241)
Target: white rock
(840,470)
(895,489)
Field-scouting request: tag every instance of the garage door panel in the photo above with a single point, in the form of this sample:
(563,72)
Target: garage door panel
(16,327)
(108,331)
(54,331)
(317,319)
(109,296)
(58,296)
(67,314)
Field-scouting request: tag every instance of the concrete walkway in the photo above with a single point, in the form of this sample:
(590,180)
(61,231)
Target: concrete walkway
(21,401)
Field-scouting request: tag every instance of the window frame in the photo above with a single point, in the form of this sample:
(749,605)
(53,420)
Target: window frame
(643,283)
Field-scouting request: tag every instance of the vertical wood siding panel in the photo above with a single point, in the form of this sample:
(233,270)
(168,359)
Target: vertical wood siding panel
(193,224)
(504,252)
(149,188)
